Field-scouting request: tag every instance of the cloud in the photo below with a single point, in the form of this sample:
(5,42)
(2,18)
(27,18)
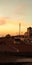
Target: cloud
(20,8)
(2,22)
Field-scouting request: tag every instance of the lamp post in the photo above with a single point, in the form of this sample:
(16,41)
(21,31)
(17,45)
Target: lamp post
(19,28)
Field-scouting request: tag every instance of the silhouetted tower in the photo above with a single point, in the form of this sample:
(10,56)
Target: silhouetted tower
(19,28)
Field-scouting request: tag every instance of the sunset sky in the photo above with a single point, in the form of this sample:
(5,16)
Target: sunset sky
(13,12)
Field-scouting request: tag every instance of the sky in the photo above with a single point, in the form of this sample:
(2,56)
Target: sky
(13,12)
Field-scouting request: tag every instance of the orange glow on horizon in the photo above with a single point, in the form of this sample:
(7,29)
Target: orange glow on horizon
(8,26)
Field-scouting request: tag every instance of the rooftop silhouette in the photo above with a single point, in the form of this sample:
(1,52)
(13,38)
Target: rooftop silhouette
(15,43)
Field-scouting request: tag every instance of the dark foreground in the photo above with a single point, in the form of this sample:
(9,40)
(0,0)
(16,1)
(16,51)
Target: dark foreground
(19,54)
(23,63)
(9,57)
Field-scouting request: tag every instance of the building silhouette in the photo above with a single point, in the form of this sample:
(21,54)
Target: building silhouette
(28,34)
(29,31)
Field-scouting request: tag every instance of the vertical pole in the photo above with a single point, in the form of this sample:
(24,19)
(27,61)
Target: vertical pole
(19,28)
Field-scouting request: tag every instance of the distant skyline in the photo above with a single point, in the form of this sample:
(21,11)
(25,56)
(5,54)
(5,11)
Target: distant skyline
(13,12)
